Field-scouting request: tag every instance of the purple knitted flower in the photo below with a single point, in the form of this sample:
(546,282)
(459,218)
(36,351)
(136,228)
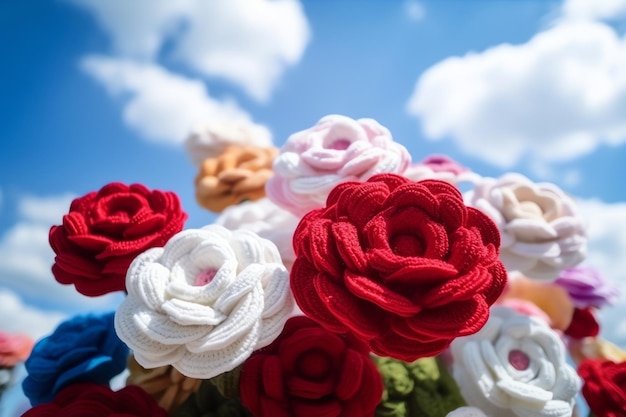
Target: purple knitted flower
(587,287)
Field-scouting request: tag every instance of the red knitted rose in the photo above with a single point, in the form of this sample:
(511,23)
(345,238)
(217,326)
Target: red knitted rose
(99,401)
(604,386)
(403,265)
(310,372)
(583,324)
(105,230)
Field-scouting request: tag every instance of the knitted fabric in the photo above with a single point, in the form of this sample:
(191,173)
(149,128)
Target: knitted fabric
(210,140)
(467,412)
(228,383)
(98,401)
(105,230)
(596,348)
(14,348)
(604,388)
(310,372)
(515,366)
(208,402)
(337,149)
(402,265)
(422,388)
(587,287)
(205,301)
(583,324)
(165,384)
(82,349)
(441,167)
(541,230)
(267,220)
(237,174)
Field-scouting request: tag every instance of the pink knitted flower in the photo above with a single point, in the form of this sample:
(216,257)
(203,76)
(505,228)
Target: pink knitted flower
(14,348)
(337,149)
(441,167)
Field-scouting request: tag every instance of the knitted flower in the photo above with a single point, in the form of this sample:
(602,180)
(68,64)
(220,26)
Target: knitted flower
(466,412)
(82,349)
(604,388)
(237,174)
(337,149)
(267,220)
(14,348)
(309,371)
(441,167)
(417,389)
(402,265)
(210,140)
(587,287)
(98,401)
(583,324)
(515,366)
(205,301)
(165,384)
(105,230)
(541,230)
(208,402)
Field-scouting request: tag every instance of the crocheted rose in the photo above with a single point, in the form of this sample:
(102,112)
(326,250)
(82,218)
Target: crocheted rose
(82,349)
(210,140)
(267,220)
(204,301)
(98,401)
(416,389)
(466,412)
(402,265)
(583,324)
(441,167)
(337,149)
(237,174)
(542,232)
(587,287)
(105,230)
(14,348)
(515,366)
(309,371)
(208,402)
(165,384)
(604,388)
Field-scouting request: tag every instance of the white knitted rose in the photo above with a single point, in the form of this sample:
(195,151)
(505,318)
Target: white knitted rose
(515,366)
(466,412)
(211,139)
(337,149)
(267,220)
(205,301)
(541,231)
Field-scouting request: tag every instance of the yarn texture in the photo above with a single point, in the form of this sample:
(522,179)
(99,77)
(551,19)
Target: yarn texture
(515,366)
(441,167)
(405,266)
(105,230)
(541,230)
(587,287)
(603,387)
(467,412)
(204,301)
(337,149)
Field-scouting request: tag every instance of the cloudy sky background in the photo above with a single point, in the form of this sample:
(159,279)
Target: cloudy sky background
(98,91)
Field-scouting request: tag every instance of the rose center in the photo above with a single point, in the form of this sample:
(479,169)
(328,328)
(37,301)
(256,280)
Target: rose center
(407,245)
(339,144)
(313,365)
(205,277)
(519,360)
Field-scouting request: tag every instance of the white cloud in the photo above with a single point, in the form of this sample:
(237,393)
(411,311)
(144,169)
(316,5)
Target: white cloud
(555,98)
(247,42)
(415,11)
(17,317)
(26,257)
(160,105)
(607,253)
(594,9)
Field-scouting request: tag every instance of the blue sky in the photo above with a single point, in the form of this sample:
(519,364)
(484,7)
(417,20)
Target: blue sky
(100,91)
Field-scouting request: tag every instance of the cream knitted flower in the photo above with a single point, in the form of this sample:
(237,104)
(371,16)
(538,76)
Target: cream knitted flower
(337,149)
(267,220)
(205,301)
(541,231)
(515,367)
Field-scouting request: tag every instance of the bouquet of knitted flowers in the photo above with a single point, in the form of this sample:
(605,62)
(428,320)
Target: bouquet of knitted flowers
(339,279)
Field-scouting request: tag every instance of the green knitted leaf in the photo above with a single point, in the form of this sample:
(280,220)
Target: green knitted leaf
(208,402)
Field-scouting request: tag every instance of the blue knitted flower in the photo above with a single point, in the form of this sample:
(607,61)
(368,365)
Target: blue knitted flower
(82,349)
